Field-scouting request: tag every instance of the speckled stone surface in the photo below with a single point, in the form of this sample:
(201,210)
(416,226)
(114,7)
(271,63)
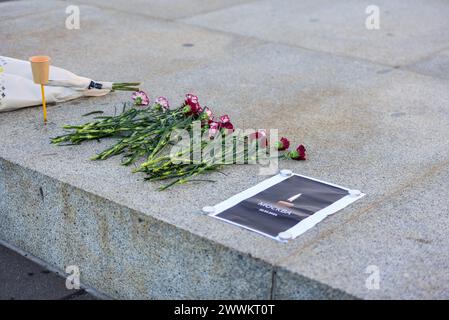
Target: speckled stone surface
(366,125)
(436,65)
(408,29)
(165,9)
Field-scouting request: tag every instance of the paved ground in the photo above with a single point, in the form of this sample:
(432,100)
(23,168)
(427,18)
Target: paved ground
(370,105)
(21,278)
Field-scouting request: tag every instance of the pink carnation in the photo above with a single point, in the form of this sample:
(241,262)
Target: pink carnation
(140,98)
(214,127)
(225,119)
(208,112)
(163,102)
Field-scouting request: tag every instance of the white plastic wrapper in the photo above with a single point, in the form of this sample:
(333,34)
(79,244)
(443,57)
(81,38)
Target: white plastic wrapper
(17,89)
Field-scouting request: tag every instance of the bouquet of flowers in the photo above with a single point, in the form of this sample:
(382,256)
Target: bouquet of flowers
(171,141)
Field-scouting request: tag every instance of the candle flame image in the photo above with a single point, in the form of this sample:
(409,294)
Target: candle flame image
(289,203)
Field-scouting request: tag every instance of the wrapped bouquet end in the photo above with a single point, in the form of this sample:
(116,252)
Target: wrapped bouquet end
(18,87)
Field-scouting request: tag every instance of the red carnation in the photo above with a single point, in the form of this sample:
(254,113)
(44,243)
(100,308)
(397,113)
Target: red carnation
(261,137)
(228,126)
(283,144)
(192,106)
(299,153)
(225,123)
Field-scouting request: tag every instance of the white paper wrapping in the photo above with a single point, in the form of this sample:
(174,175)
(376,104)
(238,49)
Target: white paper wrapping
(17,89)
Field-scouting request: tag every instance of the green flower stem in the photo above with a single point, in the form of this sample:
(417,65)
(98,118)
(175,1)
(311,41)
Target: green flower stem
(125,86)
